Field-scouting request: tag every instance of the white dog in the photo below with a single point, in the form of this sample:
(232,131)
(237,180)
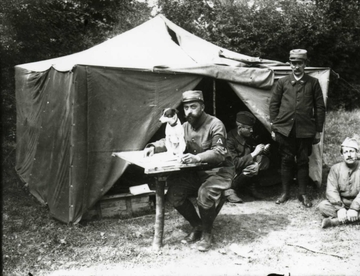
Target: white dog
(174,132)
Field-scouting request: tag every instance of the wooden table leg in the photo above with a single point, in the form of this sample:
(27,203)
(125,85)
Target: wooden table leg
(159,212)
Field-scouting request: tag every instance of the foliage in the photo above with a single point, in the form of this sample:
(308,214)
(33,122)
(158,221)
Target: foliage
(339,125)
(329,30)
(37,29)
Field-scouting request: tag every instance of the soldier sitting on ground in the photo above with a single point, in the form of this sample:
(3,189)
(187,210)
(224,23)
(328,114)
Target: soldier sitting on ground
(342,203)
(248,157)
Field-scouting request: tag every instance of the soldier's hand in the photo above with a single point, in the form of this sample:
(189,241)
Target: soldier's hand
(273,136)
(252,169)
(149,151)
(342,215)
(316,138)
(352,215)
(189,158)
(258,150)
(266,149)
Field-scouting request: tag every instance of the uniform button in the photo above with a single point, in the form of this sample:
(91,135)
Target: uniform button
(194,150)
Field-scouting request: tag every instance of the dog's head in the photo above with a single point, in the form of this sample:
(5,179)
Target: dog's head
(168,115)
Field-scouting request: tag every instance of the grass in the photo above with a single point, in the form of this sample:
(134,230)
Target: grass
(339,125)
(254,238)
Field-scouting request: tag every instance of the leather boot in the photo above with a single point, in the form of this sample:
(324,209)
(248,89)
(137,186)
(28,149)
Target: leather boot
(251,188)
(240,181)
(194,236)
(188,211)
(329,222)
(304,199)
(232,197)
(207,217)
(286,179)
(303,179)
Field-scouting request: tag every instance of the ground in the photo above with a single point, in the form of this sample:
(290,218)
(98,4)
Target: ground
(266,239)
(257,237)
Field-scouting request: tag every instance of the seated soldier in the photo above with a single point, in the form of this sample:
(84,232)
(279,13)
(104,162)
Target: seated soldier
(248,157)
(342,203)
(205,142)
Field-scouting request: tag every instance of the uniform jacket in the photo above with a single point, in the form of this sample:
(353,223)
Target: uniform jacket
(207,139)
(343,186)
(240,150)
(298,103)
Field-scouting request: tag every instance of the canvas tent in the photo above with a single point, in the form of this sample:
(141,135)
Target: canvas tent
(73,112)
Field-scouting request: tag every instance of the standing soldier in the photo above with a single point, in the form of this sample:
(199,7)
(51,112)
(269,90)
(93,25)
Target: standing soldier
(297,115)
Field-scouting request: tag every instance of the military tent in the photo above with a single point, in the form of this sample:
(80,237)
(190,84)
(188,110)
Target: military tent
(73,112)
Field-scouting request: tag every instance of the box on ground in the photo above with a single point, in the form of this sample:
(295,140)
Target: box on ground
(122,206)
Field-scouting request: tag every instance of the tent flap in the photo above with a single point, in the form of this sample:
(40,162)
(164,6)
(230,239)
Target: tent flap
(43,128)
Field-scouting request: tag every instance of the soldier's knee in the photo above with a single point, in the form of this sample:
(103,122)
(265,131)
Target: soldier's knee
(322,205)
(303,162)
(203,192)
(326,209)
(174,197)
(288,160)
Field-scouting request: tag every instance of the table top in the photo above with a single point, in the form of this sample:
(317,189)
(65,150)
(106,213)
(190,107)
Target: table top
(158,163)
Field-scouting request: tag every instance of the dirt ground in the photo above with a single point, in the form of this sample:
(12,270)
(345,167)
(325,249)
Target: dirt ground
(253,238)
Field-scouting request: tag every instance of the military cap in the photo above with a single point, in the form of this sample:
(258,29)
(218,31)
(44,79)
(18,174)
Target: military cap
(245,118)
(298,54)
(350,143)
(192,95)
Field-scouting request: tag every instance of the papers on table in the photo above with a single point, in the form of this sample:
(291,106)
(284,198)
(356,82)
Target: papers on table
(159,162)
(140,189)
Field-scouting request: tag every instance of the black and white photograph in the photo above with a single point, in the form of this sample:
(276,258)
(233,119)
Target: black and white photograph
(180,137)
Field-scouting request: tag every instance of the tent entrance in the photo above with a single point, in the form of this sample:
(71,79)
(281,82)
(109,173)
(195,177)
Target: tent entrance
(226,104)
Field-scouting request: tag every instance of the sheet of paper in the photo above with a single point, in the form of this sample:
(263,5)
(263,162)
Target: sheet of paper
(139,189)
(160,158)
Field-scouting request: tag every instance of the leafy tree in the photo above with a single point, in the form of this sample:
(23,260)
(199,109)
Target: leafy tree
(33,30)
(47,29)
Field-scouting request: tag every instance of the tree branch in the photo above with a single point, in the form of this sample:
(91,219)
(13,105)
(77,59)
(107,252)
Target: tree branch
(314,251)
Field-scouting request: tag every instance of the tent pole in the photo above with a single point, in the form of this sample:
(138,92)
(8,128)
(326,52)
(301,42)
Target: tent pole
(214,97)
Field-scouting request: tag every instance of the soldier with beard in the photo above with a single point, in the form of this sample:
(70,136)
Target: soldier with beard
(205,137)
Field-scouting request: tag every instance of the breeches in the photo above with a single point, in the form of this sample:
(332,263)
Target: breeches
(294,152)
(263,163)
(329,210)
(207,186)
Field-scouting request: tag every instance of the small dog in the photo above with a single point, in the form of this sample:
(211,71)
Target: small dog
(174,132)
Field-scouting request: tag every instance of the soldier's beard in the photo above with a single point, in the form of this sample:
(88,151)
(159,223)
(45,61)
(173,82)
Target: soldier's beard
(191,119)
